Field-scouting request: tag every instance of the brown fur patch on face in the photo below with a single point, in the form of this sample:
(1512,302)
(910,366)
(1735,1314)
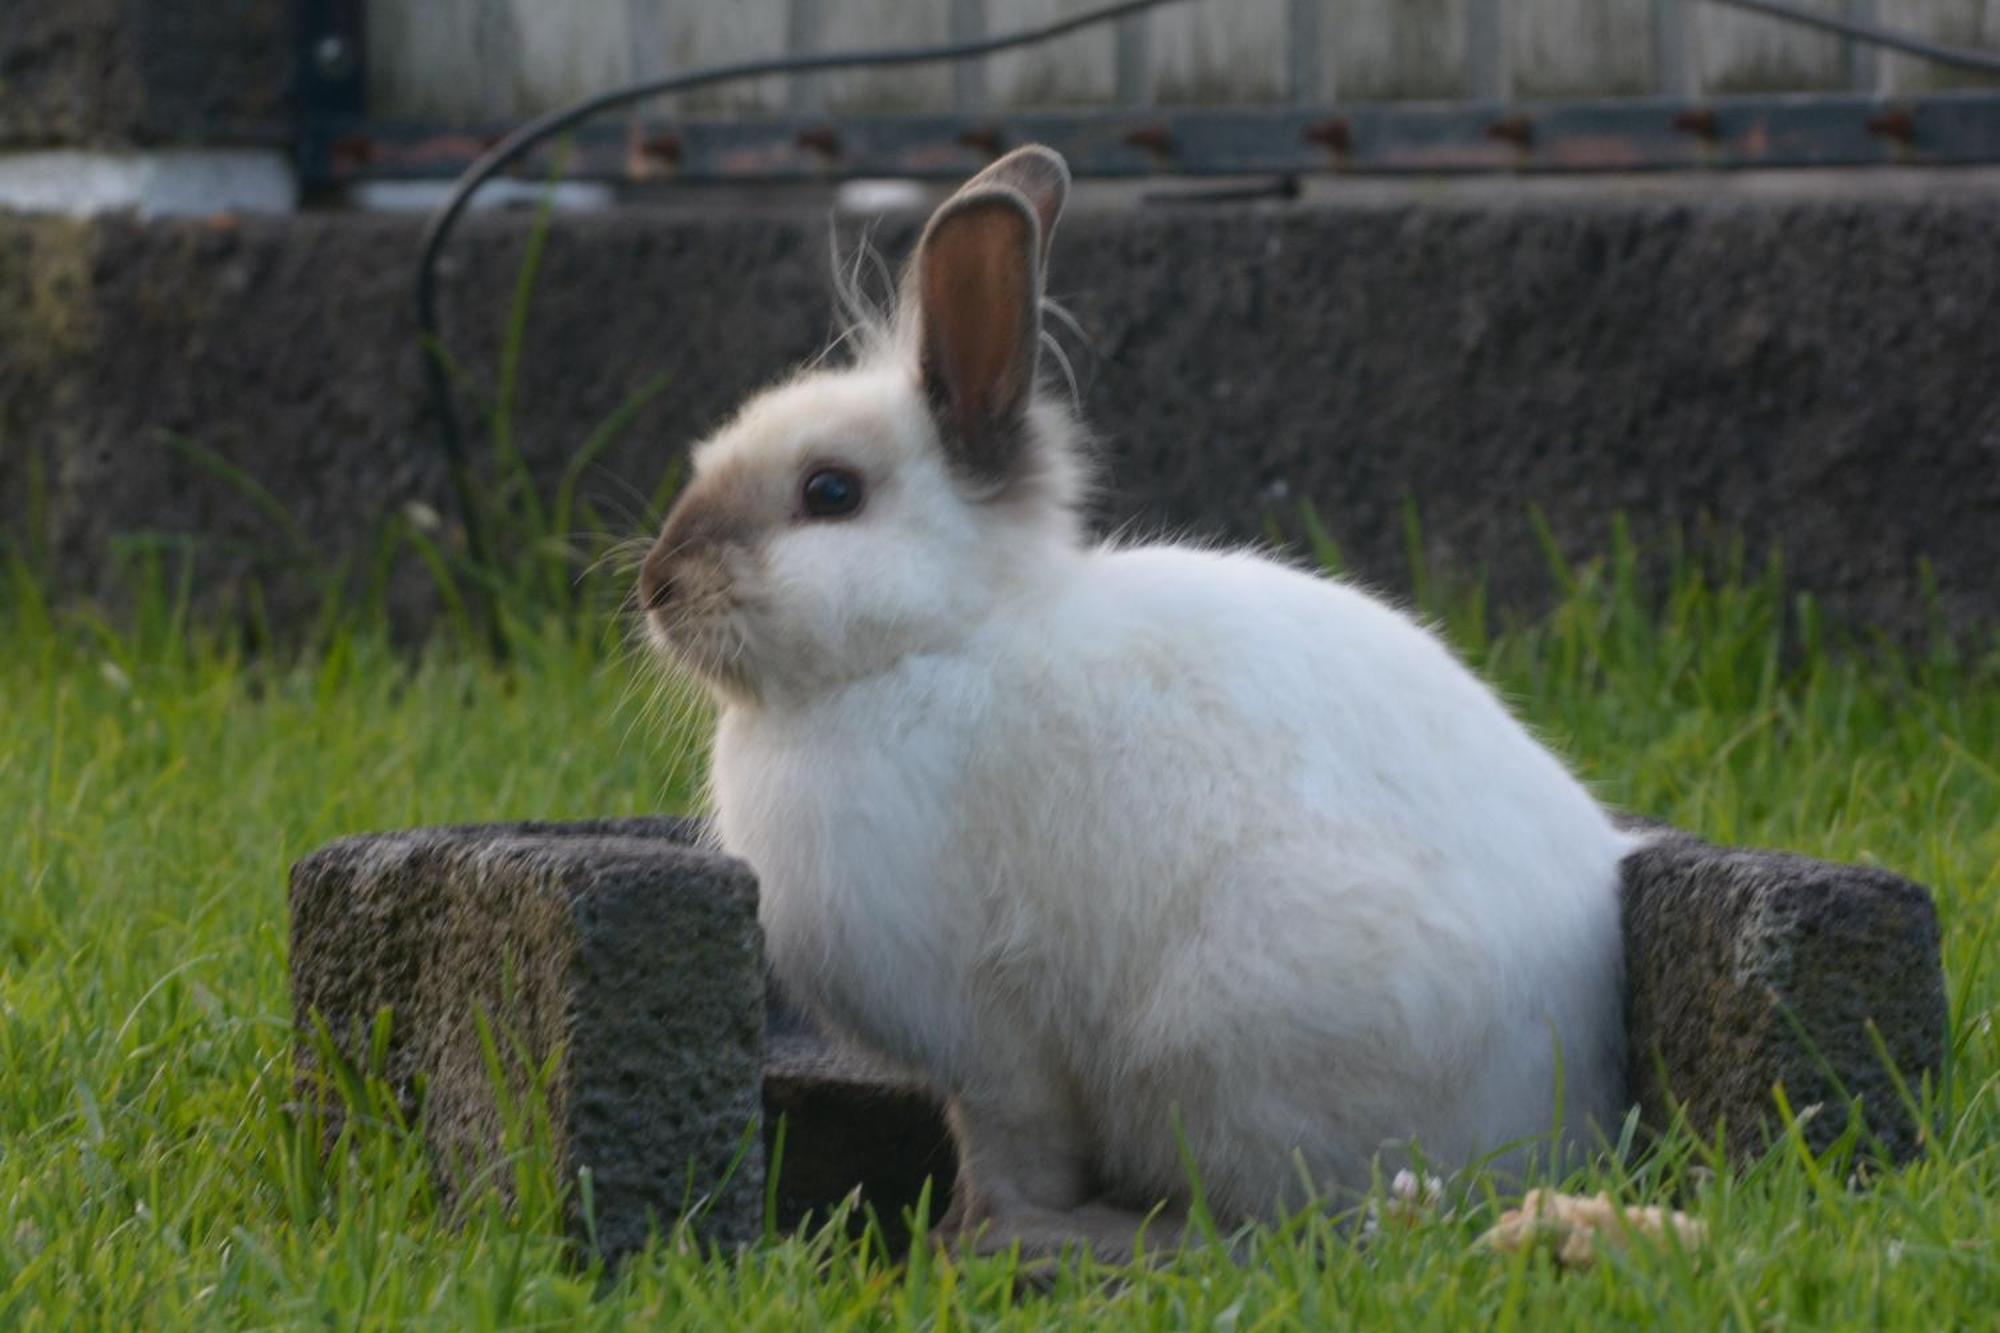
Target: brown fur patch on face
(726,506)
(685,583)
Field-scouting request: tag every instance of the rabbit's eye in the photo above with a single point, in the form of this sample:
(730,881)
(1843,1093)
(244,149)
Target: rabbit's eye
(832,492)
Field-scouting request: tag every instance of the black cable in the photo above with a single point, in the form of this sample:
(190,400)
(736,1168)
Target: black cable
(512,147)
(1959,57)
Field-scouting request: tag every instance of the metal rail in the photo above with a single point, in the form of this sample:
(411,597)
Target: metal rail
(1623,134)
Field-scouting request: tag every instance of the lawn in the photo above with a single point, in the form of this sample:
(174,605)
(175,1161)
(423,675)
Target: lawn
(154,1172)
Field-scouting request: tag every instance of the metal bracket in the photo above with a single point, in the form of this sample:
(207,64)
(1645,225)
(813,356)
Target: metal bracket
(330,81)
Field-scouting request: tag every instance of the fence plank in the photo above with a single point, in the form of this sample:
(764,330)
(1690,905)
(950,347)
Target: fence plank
(558,59)
(646,37)
(1080,70)
(1583,48)
(805,23)
(1489,65)
(1960,22)
(702,34)
(1307,77)
(1674,73)
(1741,52)
(968,77)
(856,24)
(439,60)
(1219,54)
(1395,49)
(1132,54)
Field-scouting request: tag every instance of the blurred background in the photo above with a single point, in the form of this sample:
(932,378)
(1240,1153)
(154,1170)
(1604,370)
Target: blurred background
(1456,290)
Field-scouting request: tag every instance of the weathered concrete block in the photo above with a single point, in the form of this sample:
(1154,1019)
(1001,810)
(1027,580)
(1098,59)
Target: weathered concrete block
(637,954)
(1747,970)
(616,947)
(100,73)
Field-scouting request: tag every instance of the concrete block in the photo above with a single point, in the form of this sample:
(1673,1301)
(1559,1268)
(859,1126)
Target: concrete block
(617,948)
(101,73)
(1749,970)
(622,944)
(852,1125)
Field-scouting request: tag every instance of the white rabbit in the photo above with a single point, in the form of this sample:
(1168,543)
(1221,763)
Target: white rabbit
(1128,848)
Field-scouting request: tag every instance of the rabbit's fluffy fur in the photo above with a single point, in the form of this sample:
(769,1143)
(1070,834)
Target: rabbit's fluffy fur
(1126,847)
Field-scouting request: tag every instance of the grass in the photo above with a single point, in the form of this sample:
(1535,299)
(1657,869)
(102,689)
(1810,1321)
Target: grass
(154,1170)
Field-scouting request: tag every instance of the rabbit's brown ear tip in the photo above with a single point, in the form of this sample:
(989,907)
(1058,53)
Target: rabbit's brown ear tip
(1038,174)
(1045,161)
(1046,154)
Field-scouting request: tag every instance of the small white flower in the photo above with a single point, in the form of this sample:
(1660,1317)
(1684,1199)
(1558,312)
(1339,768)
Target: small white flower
(1410,1200)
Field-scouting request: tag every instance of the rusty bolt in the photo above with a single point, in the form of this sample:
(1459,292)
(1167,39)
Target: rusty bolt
(1152,138)
(1336,134)
(333,56)
(820,139)
(663,148)
(1896,123)
(1516,130)
(1702,122)
(985,139)
(352,151)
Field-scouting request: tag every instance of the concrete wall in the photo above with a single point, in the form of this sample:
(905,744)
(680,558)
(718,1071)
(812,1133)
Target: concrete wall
(116,73)
(1810,367)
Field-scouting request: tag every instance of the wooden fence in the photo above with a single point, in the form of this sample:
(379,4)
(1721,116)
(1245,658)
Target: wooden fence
(488,60)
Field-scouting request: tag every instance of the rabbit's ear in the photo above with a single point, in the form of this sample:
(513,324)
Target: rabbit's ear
(1041,176)
(978,308)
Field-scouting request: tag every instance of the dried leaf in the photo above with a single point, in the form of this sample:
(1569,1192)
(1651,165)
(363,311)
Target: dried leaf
(1576,1227)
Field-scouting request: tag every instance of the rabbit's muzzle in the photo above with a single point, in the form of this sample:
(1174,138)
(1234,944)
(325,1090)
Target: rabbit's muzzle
(680,592)
(689,564)
(689,596)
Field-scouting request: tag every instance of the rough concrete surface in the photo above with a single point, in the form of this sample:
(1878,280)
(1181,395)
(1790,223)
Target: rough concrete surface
(852,1124)
(1747,970)
(106,73)
(617,948)
(638,956)
(1806,372)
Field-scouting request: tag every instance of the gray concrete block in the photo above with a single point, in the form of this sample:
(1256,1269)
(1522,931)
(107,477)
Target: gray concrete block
(853,1125)
(112,73)
(1750,970)
(616,948)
